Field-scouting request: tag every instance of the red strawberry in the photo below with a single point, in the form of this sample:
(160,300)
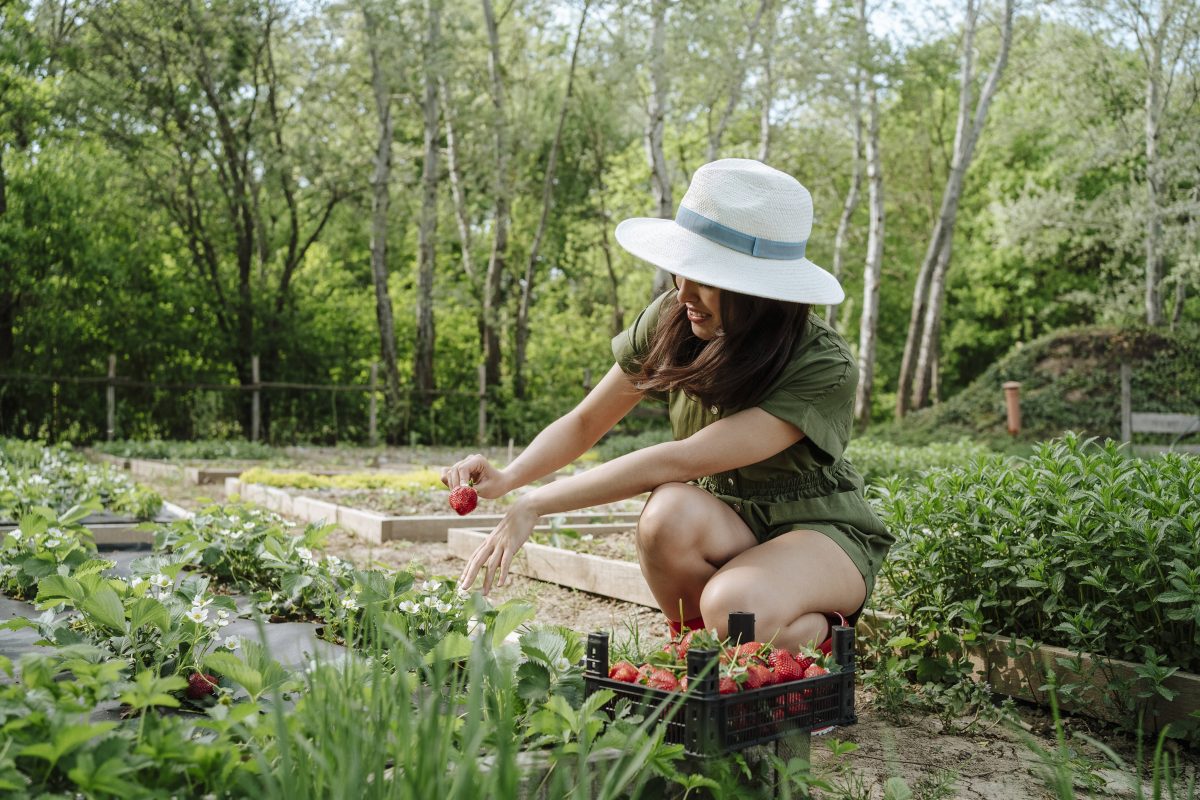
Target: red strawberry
(727,686)
(785,667)
(757,675)
(201,685)
(803,662)
(662,679)
(815,670)
(464,499)
(624,671)
(749,648)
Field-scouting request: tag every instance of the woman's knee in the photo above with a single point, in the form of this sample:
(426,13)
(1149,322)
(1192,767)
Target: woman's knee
(664,526)
(724,594)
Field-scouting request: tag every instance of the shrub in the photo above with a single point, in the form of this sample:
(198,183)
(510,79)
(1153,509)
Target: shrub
(1077,545)
(876,459)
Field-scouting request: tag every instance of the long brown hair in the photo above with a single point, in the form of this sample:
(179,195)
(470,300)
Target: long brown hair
(732,370)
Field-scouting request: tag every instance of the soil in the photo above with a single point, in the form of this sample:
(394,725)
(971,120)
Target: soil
(936,758)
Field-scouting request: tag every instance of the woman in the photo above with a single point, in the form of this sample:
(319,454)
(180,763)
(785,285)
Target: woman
(752,507)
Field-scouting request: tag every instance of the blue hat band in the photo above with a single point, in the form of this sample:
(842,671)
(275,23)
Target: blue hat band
(736,240)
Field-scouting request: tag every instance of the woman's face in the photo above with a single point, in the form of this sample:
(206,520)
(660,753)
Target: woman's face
(703,307)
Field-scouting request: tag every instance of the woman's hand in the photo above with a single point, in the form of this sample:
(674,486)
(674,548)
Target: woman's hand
(488,481)
(498,549)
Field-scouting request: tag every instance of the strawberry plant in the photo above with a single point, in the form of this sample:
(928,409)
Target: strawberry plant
(44,544)
(55,477)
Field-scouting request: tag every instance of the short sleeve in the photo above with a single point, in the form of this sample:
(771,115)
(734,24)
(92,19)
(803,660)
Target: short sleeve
(631,345)
(816,393)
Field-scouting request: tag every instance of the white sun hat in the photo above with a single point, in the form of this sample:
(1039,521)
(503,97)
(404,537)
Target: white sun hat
(742,227)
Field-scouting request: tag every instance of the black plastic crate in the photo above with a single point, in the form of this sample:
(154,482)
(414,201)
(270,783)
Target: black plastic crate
(708,723)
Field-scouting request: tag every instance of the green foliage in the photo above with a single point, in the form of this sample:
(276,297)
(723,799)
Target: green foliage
(1078,546)
(1070,380)
(878,459)
(423,479)
(44,544)
(57,478)
(206,449)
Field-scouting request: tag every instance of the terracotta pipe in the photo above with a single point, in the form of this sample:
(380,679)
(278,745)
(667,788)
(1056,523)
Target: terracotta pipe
(1012,399)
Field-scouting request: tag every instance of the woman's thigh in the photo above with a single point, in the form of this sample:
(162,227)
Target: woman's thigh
(796,573)
(681,520)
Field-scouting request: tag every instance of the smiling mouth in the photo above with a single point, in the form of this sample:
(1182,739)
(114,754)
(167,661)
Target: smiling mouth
(696,316)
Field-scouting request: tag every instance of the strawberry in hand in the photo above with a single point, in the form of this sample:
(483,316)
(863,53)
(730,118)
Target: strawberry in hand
(464,499)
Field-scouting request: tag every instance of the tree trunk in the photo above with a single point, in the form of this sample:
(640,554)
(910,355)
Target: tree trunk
(522,336)
(456,182)
(8,298)
(768,95)
(735,88)
(874,264)
(660,178)
(380,203)
(1153,107)
(423,378)
(489,318)
(851,203)
(916,371)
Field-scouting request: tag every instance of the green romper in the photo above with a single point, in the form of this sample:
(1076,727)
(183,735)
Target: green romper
(808,486)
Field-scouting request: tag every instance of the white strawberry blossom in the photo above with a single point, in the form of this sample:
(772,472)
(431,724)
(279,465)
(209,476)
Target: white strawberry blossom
(232,641)
(349,603)
(200,601)
(222,614)
(443,608)
(305,555)
(429,587)
(561,664)
(16,534)
(409,607)
(159,581)
(198,615)
(430,602)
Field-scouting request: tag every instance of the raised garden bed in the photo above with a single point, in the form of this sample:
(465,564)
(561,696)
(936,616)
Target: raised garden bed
(1021,671)
(371,525)
(609,577)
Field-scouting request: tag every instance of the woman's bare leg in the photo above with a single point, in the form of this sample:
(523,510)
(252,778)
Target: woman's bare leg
(789,583)
(684,535)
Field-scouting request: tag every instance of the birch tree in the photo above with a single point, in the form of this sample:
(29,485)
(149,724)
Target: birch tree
(522,337)
(925,316)
(423,378)
(381,176)
(1167,33)
(497,263)
(737,81)
(656,110)
(874,262)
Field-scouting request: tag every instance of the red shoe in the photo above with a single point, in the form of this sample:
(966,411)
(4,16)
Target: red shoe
(833,618)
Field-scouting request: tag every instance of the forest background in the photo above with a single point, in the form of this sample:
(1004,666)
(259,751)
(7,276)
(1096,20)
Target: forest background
(432,186)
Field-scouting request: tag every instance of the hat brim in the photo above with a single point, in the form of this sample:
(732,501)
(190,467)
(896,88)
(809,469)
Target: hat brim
(682,252)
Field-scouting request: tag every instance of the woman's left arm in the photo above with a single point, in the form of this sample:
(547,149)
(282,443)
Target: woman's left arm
(744,438)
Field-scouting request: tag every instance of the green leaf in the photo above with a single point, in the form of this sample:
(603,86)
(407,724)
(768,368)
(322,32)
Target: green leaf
(148,611)
(293,583)
(150,690)
(230,666)
(103,605)
(453,647)
(104,779)
(533,682)
(509,617)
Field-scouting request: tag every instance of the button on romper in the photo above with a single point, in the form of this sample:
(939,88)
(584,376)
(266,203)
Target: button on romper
(808,486)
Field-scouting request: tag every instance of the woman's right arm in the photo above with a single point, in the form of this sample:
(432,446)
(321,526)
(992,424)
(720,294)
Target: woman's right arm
(560,443)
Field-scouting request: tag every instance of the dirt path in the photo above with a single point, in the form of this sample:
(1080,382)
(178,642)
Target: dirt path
(937,763)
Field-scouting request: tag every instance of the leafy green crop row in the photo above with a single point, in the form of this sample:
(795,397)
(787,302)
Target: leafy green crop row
(56,477)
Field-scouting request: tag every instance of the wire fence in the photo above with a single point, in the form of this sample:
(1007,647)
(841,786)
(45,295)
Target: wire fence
(145,394)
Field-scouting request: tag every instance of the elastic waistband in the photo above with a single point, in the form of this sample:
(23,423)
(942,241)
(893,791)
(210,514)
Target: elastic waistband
(731,483)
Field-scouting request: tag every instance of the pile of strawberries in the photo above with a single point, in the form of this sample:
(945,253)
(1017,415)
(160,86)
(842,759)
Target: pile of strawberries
(751,665)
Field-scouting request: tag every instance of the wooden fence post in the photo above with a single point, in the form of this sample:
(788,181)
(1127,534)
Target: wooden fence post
(482,435)
(1126,404)
(372,439)
(111,398)
(255,418)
